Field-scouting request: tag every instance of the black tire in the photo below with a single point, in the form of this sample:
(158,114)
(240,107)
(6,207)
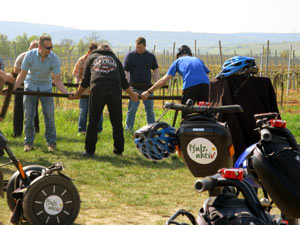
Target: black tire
(15,182)
(51,200)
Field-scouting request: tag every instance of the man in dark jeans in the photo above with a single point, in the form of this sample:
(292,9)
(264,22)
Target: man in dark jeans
(104,73)
(18,116)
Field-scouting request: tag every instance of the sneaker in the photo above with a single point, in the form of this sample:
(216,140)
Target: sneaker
(28,147)
(116,152)
(51,147)
(87,155)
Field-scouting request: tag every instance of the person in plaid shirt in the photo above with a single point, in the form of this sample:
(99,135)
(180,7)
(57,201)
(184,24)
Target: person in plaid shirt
(84,102)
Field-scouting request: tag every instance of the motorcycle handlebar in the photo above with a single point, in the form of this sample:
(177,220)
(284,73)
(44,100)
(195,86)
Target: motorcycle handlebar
(204,109)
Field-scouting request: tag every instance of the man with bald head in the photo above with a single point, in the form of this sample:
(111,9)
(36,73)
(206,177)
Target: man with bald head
(18,115)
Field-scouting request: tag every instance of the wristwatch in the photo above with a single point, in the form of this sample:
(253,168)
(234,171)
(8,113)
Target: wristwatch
(149,92)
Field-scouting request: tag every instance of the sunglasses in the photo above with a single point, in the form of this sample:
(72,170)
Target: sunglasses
(49,48)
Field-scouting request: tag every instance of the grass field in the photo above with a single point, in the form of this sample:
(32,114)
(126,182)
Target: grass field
(117,190)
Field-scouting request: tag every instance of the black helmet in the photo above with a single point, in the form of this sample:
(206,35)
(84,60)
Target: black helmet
(184,49)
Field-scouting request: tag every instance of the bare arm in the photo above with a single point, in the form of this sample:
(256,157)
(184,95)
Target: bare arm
(20,79)
(6,77)
(161,82)
(156,74)
(133,95)
(127,75)
(17,70)
(78,93)
(58,83)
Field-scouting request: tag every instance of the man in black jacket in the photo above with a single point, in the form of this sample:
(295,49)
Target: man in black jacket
(104,73)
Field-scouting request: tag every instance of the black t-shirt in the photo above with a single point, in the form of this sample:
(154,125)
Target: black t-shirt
(103,69)
(139,66)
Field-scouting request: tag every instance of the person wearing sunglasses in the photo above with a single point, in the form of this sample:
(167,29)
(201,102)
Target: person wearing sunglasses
(36,70)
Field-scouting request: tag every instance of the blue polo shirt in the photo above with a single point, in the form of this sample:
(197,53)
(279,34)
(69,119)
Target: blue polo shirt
(39,73)
(192,70)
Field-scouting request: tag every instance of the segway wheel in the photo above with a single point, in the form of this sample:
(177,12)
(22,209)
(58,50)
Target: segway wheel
(15,182)
(51,200)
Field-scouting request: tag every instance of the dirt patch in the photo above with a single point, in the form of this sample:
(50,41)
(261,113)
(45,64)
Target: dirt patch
(121,216)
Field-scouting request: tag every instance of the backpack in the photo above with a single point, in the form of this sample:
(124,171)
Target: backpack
(227,209)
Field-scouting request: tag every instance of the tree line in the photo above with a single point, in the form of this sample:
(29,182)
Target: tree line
(10,49)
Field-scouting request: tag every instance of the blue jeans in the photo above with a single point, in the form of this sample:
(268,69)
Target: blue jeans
(83,112)
(30,112)
(133,107)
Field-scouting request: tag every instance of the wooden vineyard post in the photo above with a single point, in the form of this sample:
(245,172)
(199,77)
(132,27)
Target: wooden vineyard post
(289,68)
(267,58)
(221,56)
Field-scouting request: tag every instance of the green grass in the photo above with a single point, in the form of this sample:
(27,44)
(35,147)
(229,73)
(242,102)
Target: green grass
(114,190)
(130,188)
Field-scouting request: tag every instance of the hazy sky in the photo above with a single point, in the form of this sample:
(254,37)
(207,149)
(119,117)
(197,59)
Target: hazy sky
(213,16)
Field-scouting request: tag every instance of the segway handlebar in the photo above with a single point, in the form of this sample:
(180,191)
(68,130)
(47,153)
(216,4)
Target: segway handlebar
(204,109)
(265,135)
(207,183)
(211,182)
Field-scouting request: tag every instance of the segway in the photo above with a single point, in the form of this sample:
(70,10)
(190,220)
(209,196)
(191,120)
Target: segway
(273,164)
(37,194)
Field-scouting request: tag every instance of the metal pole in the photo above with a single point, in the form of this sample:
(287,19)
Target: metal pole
(33,93)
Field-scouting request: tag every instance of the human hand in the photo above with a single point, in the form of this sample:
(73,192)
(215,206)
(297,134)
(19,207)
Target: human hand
(73,96)
(9,78)
(145,95)
(135,97)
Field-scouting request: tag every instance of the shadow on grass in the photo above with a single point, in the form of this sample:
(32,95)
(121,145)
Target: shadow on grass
(38,161)
(121,161)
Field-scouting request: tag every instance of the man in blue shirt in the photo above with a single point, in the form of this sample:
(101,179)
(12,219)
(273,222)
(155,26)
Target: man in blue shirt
(194,75)
(138,65)
(36,70)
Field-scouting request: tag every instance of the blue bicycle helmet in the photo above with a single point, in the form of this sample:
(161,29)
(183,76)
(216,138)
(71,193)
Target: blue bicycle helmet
(238,65)
(156,141)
